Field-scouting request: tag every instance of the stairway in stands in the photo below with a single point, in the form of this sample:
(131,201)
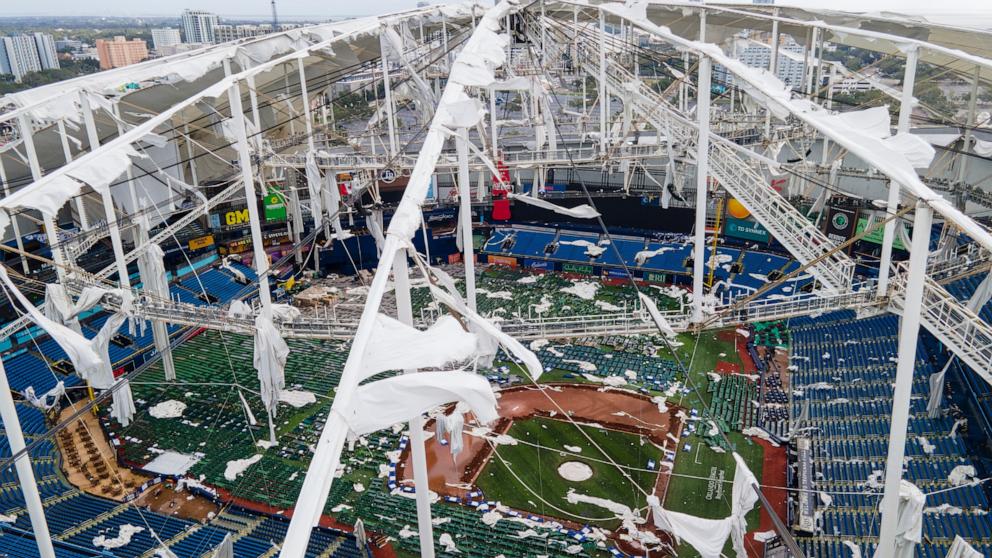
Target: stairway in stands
(950,321)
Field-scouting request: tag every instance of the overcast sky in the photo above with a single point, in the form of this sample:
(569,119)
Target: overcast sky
(323,9)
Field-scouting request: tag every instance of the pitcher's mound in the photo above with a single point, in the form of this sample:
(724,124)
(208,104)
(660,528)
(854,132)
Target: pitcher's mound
(575,471)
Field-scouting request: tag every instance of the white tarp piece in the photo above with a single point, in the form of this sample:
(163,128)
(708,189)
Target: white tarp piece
(226,548)
(909,526)
(643,256)
(708,536)
(962,475)
(248,414)
(374,223)
(88,298)
(983,148)
(485,327)
(452,425)
(891,158)
(584,211)
(313,186)
(982,295)
(332,198)
(397,346)
(102,375)
(937,390)
(271,353)
(656,316)
(225,264)
(381,404)
(151,268)
(123,408)
(961,549)
(77,347)
(58,305)
(172,463)
(361,537)
(239,308)
(46,400)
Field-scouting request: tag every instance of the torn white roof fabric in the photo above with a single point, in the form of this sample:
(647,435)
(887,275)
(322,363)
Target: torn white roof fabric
(961,549)
(909,523)
(584,211)
(313,186)
(486,327)
(122,407)
(270,357)
(77,347)
(381,404)
(708,536)
(397,346)
(656,316)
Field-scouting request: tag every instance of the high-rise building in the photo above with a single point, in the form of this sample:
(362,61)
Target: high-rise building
(757,54)
(68,44)
(47,55)
(224,33)
(198,26)
(120,52)
(20,56)
(165,37)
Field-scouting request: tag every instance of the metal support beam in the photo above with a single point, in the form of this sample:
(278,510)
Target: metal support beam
(465,216)
(51,231)
(390,116)
(892,206)
(404,313)
(602,82)
(960,200)
(909,329)
(84,222)
(260,259)
(25,473)
(772,67)
(702,170)
(18,238)
(107,198)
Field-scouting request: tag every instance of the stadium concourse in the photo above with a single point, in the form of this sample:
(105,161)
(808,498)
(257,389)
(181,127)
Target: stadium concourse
(542,278)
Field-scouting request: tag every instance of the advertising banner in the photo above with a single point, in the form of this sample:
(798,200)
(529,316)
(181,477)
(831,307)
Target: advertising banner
(746,229)
(503,260)
(201,242)
(581,269)
(841,224)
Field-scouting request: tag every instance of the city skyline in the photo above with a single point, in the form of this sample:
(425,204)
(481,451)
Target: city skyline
(947,12)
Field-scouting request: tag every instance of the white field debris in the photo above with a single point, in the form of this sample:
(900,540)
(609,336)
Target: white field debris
(585,290)
(237,467)
(603,305)
(614,381)
(582,364)
(504,295)
(123,538)
(448,543)
(297,398)
(168,409)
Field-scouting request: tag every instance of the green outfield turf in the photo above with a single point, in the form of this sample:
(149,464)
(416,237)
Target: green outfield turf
(537,468)
(700,497)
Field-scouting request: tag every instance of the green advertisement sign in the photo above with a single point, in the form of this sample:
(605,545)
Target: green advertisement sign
(748,230)
(875,236)
(576,268)
(654,277)
(275,206)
